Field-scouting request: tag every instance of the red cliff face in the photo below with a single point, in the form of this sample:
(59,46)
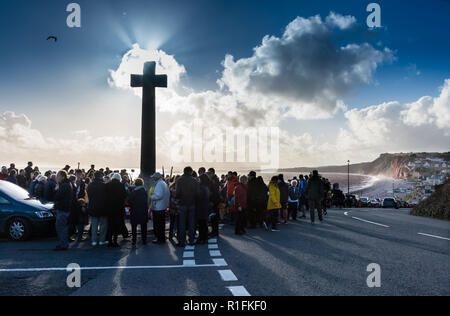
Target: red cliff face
(399,168)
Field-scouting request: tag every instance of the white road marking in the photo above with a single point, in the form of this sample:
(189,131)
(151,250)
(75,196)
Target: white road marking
(227,275)
(213,246)
(434,236)
(189,248)
(188,254)
(215,253)
(220,262)
(238,291)
(366,221)
(189,263)
(346,213)
(212,241)
(186,264)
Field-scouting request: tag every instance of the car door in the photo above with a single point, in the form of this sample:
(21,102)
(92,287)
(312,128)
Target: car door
(5,210)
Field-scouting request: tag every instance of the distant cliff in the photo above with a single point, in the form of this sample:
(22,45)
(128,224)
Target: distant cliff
(400,166)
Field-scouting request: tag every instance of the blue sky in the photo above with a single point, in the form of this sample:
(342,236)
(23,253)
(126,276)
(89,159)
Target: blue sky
(42,79)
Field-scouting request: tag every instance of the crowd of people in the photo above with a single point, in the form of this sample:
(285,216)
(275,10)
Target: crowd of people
(194,203)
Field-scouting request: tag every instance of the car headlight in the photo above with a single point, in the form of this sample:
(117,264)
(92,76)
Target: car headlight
(44,214)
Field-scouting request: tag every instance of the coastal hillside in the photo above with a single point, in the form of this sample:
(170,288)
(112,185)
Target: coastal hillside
(398,166)
(437,205)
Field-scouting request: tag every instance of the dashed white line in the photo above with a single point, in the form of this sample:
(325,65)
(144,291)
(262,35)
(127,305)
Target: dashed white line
(366,221)
(188,254)
(189,248)
(238,291)
(213,246)
(434,236)
(189,263)
(220,262)
(215,253)
(212,241)
(227,275)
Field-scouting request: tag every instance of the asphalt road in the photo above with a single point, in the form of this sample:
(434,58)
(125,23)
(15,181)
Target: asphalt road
(302,259)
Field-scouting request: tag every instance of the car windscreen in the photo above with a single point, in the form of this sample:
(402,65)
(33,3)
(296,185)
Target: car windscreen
(13,191)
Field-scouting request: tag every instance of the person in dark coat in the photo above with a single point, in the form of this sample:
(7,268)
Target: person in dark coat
(187,193)
(22,179)
(116,196)
(257,201)
(12,177)
(49,188)
(173,209)
(215,201)
(284,197)
(202,209)
(81,196)
(96,191)
(138,202)
(314,192)
(252,187)
(240,200)
(63,205)
(28,171)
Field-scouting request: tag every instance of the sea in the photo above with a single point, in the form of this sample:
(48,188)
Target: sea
(358,183)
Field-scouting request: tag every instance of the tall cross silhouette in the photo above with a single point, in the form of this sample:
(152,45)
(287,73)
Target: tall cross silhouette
(148,81)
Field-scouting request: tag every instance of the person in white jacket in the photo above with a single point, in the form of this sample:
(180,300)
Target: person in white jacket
(160,199)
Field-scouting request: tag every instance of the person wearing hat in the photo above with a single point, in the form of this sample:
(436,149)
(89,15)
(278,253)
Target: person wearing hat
(160,199)
(39,187)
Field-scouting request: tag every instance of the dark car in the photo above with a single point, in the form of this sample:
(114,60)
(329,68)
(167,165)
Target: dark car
(390,203)
(374,203)
(21,216)
(364,202)
(405,204)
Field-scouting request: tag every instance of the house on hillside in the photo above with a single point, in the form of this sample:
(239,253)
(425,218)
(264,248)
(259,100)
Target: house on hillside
(434,180)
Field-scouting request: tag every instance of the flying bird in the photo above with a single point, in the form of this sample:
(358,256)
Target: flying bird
(53,38)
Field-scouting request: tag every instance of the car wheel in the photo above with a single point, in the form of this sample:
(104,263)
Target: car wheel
(19,229)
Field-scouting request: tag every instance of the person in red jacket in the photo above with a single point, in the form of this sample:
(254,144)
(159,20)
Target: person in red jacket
(240,203)
(232,181)
(4,173)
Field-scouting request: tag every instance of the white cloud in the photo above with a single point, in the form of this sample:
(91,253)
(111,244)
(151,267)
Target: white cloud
(343,22)
(394,127)
(430,111)
(302,74)
(133,63)
(20,142)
